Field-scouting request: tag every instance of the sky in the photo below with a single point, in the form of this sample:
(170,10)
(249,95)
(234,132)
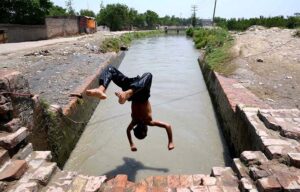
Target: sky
(183,8)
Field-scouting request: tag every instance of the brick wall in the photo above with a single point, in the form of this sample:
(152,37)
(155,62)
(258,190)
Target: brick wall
(20,33)
(62,26)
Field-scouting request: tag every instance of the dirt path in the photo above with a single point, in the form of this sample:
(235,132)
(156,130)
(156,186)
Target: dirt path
(54,68)
(268,63)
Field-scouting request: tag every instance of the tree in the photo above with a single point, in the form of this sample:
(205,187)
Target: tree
(31,12)
(87,12)
(57,11)
(115,16)
(151,18)
(70,9)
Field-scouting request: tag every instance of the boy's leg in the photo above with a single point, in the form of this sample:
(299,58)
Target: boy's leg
(109,73)
(139,89)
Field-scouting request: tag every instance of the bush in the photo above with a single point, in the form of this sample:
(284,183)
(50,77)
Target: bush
(114,44)
(216,43)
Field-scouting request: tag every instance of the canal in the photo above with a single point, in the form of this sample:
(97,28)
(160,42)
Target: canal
(178,96)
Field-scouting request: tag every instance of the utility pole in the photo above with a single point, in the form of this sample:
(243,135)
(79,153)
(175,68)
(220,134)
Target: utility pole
(194,20)
(214,11)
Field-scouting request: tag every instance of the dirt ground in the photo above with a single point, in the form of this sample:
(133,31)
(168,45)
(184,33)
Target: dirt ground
(267,62)
(54,68)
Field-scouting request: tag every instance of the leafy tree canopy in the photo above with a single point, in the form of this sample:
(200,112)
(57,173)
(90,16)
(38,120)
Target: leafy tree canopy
(24,11)
(87,12)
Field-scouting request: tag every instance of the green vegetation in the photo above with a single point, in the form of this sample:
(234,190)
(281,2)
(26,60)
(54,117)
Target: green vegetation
(121,17)
(24,12)
(87,12)
(114,44)
(243,24)
(216,43)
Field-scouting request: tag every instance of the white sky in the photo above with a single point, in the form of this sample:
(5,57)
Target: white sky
(182,8)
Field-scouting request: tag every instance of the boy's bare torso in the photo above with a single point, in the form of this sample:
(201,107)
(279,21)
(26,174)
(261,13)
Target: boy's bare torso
(141,112)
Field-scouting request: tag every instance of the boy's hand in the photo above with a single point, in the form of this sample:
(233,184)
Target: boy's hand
(133,148)
(171,146)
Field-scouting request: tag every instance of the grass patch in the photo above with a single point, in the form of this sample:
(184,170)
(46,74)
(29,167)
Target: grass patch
(114,44)
(217,43)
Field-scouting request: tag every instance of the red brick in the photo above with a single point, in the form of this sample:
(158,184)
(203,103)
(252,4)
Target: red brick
(269,184)
(10,140)
(214,188)
(287,181)
(160,181)
(13,125)
(140,188)
(186,180)
(294,159)
(198,179)
(159,189)
(199,189)
(14,170)
(3,156)
(120,181)
(173,181)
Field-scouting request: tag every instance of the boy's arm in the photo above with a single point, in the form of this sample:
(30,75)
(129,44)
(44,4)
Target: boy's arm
(168,129)
(129,128)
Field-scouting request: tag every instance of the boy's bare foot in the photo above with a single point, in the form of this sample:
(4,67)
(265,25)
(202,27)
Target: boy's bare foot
(98,92)
(171,146)
(124,95)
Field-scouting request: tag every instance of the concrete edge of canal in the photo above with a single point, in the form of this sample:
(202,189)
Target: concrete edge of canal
(265,140)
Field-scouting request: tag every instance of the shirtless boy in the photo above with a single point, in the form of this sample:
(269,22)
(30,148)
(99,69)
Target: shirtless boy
(137,90)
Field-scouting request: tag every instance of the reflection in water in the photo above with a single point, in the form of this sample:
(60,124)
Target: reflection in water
(130,167)
(178,96)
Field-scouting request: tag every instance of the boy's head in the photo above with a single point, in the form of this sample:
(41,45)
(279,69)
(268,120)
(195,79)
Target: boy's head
(140,131)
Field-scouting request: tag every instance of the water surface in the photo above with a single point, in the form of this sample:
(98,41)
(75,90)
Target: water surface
(178,96)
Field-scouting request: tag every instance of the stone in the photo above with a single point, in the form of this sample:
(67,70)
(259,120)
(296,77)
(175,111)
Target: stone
(257,173)
(45,155)
(230,189)
(209,181)
(198,179)
(214,188)
(218,171)
(140,188)
(199,189)
(94,183)
(173,181)
(240,168)
(253,157)
(6,108)
(3,186)
(182,189)
(294,159)
(269,184)
(78,184)
(148,181)
(186,180)
(13,170)
(26,187)
(3,99)
(269,121)
(44,173)
(24,152)
(287,181)
(4,157)
(275,152)
(272,142)
(246,184)
(61,180)
(10,140)
(12,125)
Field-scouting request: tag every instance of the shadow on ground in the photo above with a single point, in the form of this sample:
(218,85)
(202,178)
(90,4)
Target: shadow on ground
(130,167)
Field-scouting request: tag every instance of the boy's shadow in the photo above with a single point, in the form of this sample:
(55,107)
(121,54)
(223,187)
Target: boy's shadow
(130,168)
